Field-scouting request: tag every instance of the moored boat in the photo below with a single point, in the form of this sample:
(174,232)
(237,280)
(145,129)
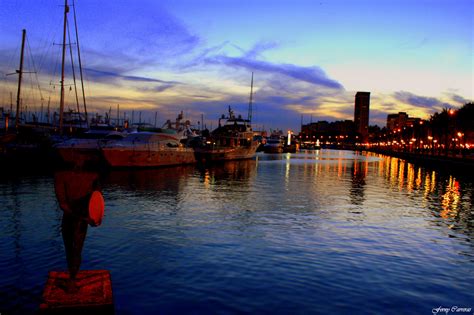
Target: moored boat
(231,141)
(147,149)
(273,145)
(85,149)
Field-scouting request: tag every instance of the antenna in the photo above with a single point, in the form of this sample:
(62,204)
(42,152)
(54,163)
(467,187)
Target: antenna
(250,101)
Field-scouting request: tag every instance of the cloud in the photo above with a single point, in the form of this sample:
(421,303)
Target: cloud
(219,56)
(460,99)
(313,75)
(154,35)
(378,116)
(413,44)
(420,101)
(104,76)
(259,48)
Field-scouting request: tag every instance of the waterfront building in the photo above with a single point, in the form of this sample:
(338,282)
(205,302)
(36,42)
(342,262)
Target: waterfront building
(361,114)
(395,121)
(329,133)
(400,120)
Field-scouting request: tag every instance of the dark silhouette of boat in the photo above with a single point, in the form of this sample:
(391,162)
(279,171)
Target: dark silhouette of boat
(232,140)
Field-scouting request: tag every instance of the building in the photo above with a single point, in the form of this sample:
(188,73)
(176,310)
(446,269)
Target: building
(341,132)
(361,114)
(395,121)
(400,120)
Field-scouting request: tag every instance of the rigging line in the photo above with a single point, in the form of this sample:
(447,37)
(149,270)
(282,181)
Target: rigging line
(56,70)
(80,61)
(11,60)
(46,47)
(31,95)
(34,67)
(73,69)
(10,65)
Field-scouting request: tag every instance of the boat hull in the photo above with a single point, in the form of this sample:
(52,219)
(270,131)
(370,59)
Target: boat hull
(125,157)
(214,154)
(273,149)
(80,152)
(80,156)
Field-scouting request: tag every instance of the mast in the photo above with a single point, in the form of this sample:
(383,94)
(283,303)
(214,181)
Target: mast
(250,101)
(20,73)
(73,68)
(49,101)
(61,103)
(80,62)
(118,115)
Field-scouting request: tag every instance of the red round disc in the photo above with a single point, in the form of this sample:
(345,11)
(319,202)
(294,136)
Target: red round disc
(96,207)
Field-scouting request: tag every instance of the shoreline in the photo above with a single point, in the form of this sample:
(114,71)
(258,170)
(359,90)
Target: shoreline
(456,164)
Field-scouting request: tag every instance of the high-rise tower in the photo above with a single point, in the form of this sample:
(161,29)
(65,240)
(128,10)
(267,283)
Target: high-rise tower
(361,114)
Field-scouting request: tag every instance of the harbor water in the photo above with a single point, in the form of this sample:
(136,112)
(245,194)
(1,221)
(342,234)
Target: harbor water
(316,232)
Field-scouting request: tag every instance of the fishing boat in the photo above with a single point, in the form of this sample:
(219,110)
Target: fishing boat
(148,149)
(232,140)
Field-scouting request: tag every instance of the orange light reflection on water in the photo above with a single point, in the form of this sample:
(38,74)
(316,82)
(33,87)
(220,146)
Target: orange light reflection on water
(450,200)
(410,177)
(401,174)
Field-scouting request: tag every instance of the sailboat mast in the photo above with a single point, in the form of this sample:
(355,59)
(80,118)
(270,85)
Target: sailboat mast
(49,101)
(80,62)
(73,68)
(250,101)
(61,103)
(20,75)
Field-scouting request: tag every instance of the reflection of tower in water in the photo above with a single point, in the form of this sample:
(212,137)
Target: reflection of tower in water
(358,172)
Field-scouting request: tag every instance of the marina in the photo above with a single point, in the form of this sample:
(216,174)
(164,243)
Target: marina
(341,184)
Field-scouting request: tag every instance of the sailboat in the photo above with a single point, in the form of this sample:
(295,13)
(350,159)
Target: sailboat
(82,147)
(22,141)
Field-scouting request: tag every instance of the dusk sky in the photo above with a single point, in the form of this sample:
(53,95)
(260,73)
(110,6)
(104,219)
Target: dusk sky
(308,57)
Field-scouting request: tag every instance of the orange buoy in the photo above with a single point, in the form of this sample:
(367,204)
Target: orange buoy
(96,207)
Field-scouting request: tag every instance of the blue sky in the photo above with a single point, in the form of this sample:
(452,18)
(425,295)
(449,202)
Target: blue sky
(308,57)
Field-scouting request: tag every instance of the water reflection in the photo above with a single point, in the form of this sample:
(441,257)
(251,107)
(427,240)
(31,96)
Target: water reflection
(290,232)
(358,171)
(167,179)
(444,194)
(231,173)
(451,198)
